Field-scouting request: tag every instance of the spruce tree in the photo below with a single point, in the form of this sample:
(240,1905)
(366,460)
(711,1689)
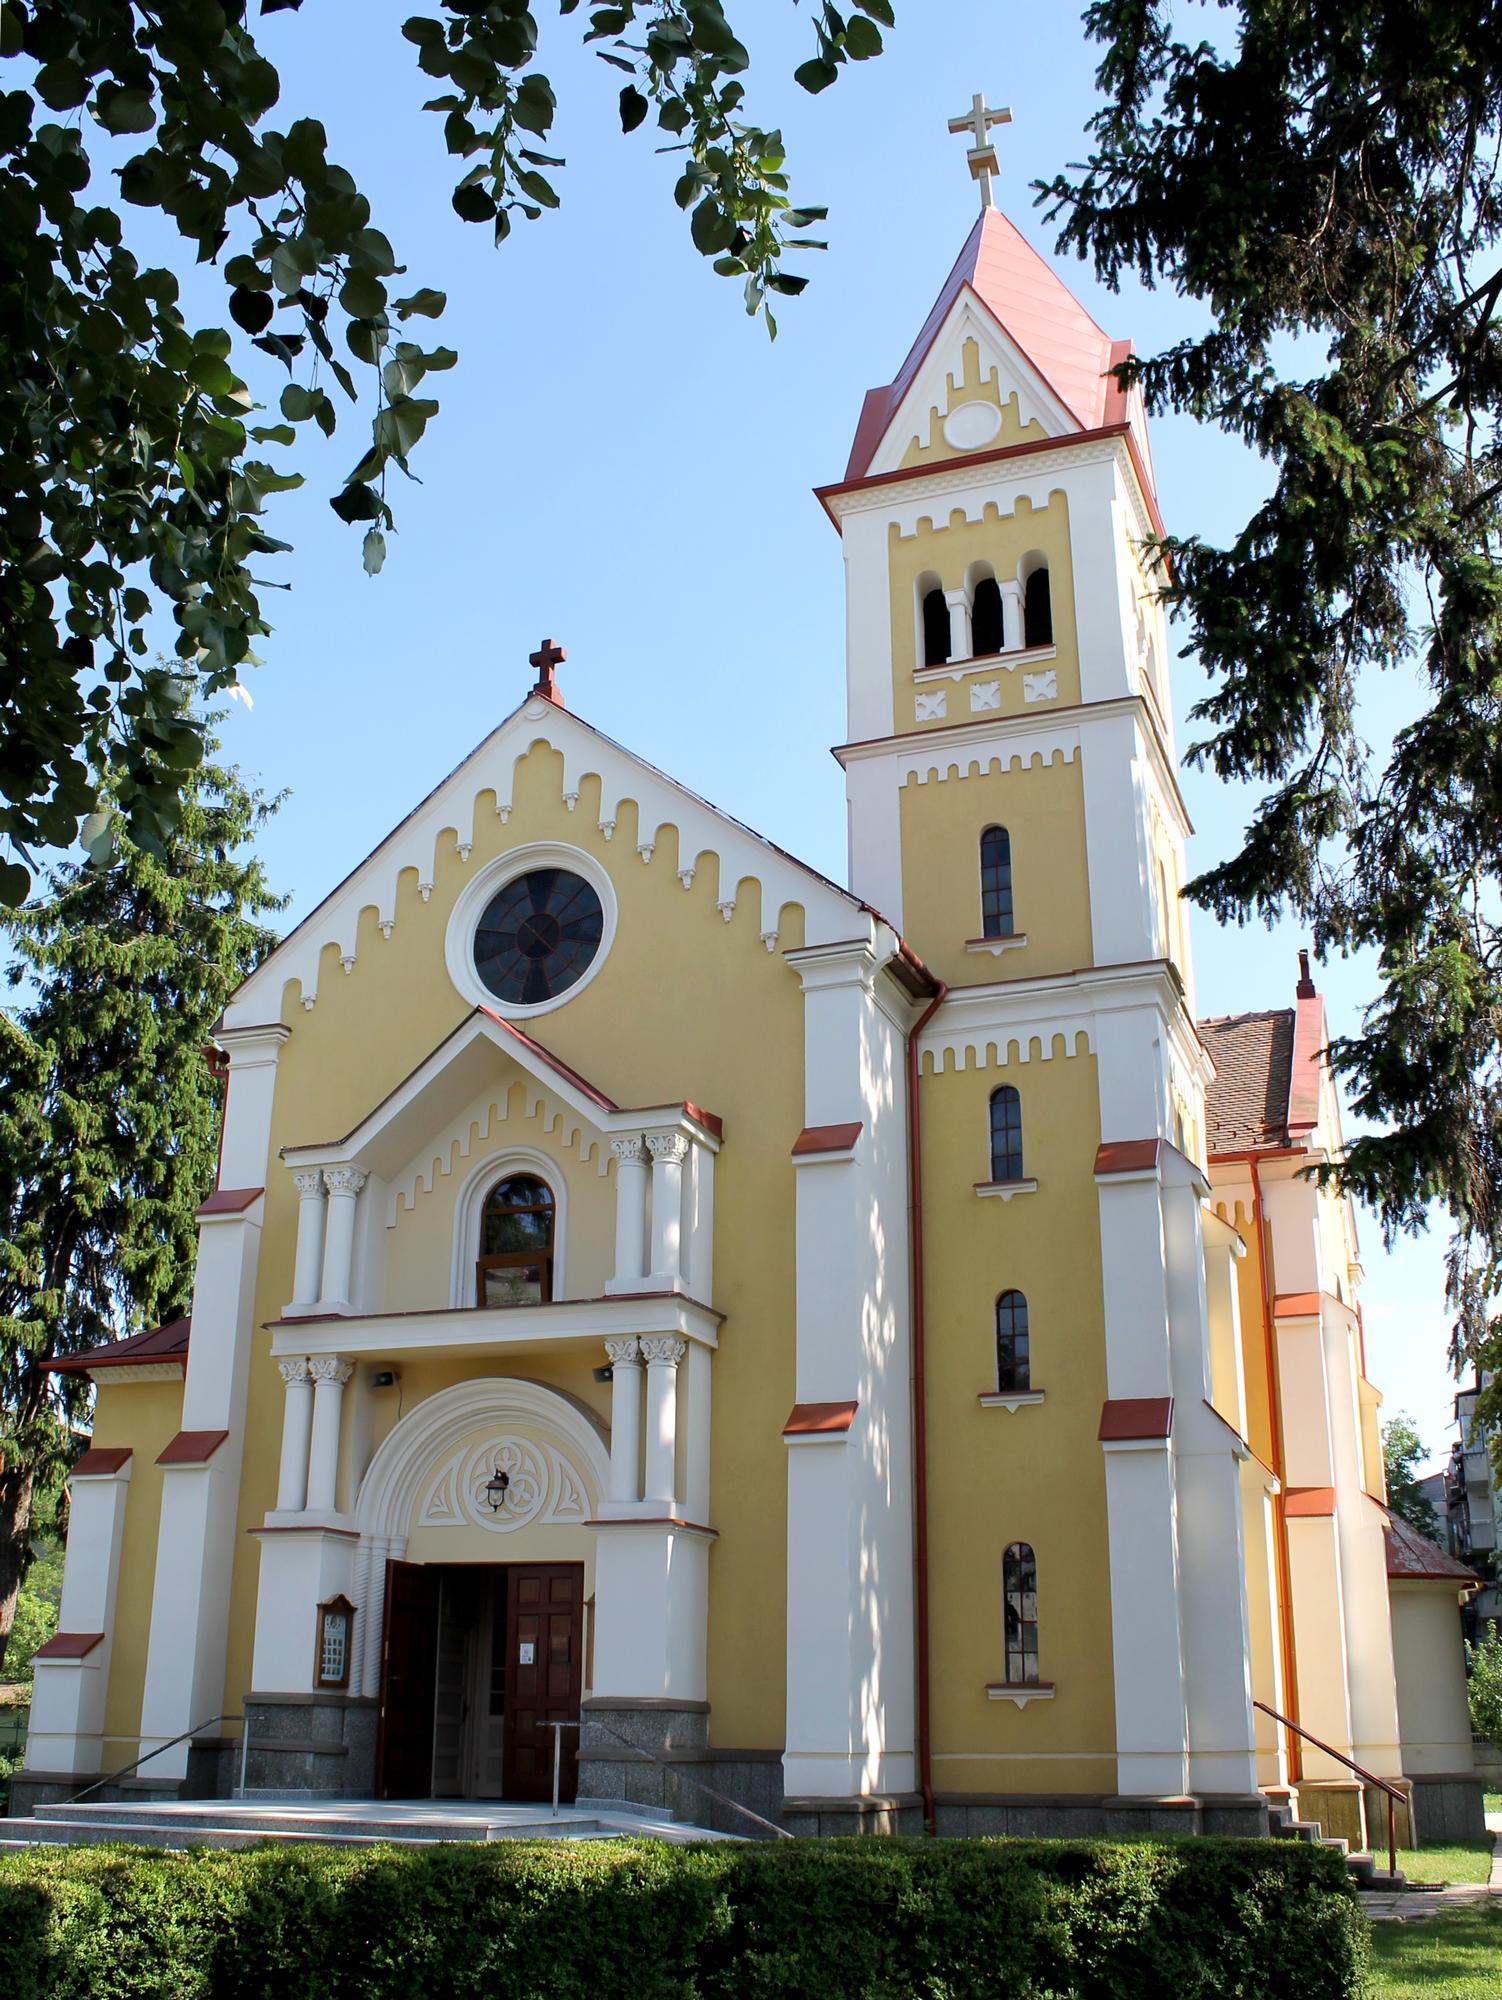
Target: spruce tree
(109,1112)
(1324,179)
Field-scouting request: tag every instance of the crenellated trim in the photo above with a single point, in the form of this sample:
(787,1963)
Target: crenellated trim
(707,840)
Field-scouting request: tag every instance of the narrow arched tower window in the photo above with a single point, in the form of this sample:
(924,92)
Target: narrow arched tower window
(1013,1370)
(996,919)
(1037,609)
(1006,1134)
(935,628)
(985,618)
(1019,1598)
(515,1266)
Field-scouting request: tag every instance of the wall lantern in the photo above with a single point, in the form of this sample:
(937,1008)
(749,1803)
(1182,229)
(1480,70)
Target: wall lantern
(332,1657)
(495,1488)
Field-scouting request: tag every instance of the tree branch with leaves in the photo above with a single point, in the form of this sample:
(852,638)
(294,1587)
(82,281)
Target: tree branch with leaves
(134,470)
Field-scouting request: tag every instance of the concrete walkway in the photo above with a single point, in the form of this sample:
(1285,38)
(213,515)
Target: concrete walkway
(1404,1905)
(342,1822)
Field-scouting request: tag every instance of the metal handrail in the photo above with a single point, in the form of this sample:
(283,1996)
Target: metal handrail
(1394,1796)
(678,1771)
(126,1769)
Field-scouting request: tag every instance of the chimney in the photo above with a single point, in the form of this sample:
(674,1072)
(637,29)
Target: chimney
(1305,989)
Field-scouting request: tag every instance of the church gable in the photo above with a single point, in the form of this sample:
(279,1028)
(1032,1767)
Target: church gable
(976,390)
(608,795)
(1030,332)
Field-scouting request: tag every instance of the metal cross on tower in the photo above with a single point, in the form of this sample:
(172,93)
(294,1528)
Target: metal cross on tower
(545,659)
(977,121)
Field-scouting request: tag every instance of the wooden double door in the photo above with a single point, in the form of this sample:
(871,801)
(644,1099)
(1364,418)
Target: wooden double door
(477,1660)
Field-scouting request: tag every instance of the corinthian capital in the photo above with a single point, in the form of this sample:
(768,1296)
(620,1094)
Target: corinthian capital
(309,1182)
(331,1368)
(667,1145)
(294,1369)
(344,1180)
(624,1351)
(662,1347)
(631,1149)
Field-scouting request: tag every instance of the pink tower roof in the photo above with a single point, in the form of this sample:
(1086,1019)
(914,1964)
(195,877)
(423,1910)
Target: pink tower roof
(1042,316)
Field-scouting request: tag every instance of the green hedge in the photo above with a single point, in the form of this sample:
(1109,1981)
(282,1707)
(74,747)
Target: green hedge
(592,1920)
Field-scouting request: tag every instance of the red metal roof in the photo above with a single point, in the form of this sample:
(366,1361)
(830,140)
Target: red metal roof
(820,1419)
(159,1343)
(1410,1554)
(1041,314)
(1126,1419)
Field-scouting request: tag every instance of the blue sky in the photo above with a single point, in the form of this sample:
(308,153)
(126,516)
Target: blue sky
(624,461)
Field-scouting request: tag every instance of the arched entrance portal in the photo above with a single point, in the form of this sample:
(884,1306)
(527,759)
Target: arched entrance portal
(475,1567)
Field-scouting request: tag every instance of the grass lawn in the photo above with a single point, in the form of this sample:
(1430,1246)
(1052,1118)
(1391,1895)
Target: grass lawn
(1461,1861)
(1454,1957)
(1493,1801)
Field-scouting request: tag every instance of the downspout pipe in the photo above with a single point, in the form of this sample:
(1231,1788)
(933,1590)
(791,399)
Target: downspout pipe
(1275,1452)
(920,1407)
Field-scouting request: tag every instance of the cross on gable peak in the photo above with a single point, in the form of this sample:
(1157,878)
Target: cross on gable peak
(981,154)
(548,656)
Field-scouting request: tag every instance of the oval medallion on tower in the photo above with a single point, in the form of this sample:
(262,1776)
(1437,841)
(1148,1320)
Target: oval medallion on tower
(538,936)
(972,425)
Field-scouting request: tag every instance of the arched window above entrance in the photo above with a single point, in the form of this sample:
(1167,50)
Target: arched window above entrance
(515,1265)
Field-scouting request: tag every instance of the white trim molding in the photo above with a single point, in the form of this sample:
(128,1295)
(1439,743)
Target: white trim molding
(1019,1693)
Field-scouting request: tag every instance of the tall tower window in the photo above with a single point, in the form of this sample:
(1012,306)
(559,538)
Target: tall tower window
(985,618)
(996,883)
(1037,608)
(1006,1134)
(935,628)
(1013,1368)
(1019,1596)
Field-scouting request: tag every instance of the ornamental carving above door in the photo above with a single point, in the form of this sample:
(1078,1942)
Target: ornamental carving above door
(544,1487)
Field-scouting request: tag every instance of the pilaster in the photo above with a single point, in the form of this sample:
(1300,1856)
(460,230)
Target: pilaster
(68,1695)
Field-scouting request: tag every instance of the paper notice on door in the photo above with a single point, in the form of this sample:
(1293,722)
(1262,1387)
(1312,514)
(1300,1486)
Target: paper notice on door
(526,1653)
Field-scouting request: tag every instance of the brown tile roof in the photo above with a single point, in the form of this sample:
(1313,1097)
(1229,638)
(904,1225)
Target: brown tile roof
(1253,1057)
(158,1343)
(1410,1554)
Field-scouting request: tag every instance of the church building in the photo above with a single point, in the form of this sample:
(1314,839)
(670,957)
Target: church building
(864,1350)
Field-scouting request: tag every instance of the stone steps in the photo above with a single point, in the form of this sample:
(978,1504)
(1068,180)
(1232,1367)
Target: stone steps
(1365,1872)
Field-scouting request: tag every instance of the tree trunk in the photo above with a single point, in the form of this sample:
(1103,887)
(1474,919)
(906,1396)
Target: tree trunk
(15,1545)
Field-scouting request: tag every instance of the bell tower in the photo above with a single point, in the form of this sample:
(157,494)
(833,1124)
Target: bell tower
(1013,809)
(1006,660)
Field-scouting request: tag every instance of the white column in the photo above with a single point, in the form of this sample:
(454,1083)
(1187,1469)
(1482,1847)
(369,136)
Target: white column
(668,1150)
(1011,616)
(344,1185)
(961,646)
(630,1213)
(625,1420)
(696,1431)
(297,1425)
(663,1353)
(307,1281)
(330,1372)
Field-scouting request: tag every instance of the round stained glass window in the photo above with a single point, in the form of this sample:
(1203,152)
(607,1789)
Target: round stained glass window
(538,936)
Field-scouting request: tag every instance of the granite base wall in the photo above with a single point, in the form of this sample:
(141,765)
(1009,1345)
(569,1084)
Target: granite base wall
(1445,1808)
(321,1746)
(1050,1817)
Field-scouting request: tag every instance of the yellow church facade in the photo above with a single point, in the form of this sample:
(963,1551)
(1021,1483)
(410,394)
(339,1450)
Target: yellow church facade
(666,1310)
